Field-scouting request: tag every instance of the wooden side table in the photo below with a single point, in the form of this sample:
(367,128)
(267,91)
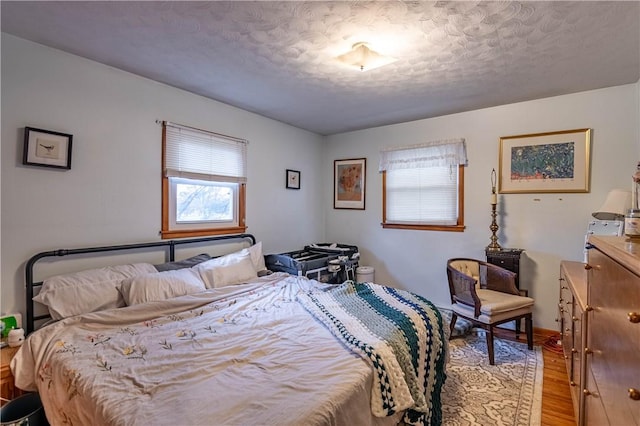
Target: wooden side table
(8,391)
(508,258)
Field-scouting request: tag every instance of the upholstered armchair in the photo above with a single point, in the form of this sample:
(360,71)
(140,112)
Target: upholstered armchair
(486,295)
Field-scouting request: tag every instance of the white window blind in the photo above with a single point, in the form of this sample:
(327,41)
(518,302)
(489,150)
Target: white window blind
(198,154)
(423,195)
(421,183)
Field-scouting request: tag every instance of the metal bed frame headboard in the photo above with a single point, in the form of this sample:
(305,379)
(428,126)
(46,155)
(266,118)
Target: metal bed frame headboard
(168,244)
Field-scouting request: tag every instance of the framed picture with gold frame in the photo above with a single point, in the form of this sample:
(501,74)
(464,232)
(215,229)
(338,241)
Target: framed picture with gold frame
(545,162)
(349,178)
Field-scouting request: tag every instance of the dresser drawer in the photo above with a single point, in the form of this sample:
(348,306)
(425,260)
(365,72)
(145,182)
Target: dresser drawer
(577,322)
(506,263)
(594,411)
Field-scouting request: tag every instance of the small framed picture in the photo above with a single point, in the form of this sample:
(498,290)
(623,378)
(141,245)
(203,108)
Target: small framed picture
(349,178)
(46,148)
(293,179)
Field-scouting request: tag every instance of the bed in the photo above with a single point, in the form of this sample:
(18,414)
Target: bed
(219,340)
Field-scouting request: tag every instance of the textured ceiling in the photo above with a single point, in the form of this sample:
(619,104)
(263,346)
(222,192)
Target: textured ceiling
(277,58)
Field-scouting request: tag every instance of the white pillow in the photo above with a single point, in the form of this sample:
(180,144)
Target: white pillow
(161,286)
(107,273)
(234,268)
(68,301)
(87,291)
(257,257)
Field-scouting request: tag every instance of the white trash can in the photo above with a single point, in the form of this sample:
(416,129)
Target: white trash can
(364,274)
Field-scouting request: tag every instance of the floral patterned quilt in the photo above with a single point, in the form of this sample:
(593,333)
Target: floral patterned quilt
(241,355)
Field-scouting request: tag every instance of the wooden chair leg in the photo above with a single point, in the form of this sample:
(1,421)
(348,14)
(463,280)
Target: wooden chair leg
(528,325)
(489,333)
(452,325)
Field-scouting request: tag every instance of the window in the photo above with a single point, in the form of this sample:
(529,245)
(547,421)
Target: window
(423,186)
(203,182)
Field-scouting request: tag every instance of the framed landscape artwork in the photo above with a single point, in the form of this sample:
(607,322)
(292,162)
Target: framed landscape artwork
(545,162)
(349,183)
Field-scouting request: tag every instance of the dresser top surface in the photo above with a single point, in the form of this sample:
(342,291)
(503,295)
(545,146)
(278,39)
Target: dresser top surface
(622,249)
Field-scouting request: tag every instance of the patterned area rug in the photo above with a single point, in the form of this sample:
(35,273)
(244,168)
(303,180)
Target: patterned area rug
(476,393)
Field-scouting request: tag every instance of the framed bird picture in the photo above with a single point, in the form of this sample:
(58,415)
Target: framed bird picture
(46,148)
(293,179)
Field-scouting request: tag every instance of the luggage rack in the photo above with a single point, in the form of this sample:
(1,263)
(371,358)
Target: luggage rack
(329,263)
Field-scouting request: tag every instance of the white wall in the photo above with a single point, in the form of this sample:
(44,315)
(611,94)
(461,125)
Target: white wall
(550,227)
(112,193)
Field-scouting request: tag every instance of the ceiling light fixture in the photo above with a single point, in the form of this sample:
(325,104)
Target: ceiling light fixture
(363,58)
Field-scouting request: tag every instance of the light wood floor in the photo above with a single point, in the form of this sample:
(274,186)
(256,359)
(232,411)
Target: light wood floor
(557,406)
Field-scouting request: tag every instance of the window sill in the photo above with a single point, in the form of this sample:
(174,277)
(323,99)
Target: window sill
(446,228)
(202,232)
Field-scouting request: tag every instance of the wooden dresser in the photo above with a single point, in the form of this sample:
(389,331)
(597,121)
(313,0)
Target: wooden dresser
(600,318)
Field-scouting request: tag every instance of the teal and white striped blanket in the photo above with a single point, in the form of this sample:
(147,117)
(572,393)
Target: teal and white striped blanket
(400,334)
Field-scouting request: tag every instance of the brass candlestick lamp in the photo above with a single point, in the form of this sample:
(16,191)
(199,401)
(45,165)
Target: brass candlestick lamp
(494,246)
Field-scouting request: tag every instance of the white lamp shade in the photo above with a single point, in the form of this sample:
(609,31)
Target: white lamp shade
(615,206)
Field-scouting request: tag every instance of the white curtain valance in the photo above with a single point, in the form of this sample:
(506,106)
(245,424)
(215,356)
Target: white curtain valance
(431,154)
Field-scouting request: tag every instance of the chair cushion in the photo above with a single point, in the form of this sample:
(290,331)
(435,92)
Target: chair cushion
(496,302)
(465,311)
(496,307)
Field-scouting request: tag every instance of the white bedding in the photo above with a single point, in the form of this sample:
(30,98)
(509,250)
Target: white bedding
(239,355)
